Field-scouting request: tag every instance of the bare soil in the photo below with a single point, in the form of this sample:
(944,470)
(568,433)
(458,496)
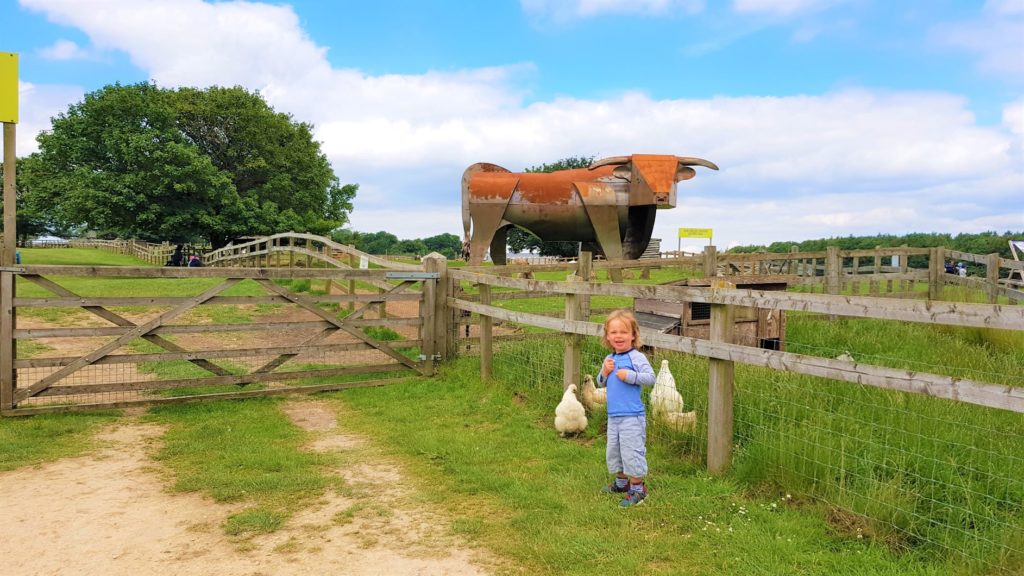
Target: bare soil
(110,512)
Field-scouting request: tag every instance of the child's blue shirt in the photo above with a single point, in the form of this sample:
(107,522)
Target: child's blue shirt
(624,397)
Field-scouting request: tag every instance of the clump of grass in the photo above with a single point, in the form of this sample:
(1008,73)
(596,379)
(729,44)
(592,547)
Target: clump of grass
(45,437)
(382,333)
(243,452)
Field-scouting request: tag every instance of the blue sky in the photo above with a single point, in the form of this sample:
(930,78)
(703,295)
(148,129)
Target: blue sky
(827,117)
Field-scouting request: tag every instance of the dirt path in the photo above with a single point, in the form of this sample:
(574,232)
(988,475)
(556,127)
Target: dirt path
(108,513)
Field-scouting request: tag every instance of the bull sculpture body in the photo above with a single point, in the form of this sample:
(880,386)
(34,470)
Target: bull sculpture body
(609,207)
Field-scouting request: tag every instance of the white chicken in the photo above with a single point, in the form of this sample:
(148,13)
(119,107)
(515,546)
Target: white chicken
(665,398)
(667,403)
(592,395)
(681,421)
(570,417)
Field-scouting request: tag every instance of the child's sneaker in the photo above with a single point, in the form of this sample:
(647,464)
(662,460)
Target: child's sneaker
(634,497)
(613,488)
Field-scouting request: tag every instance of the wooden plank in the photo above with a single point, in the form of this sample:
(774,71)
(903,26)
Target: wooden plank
(123,339)
(204,272)
(22,333)
(231,379)
(720,394)
(8,349)
(572,357)
(486,335)
(933,312)
(52,409)
(428,308)
(973,392)
(86,302)
(56,361)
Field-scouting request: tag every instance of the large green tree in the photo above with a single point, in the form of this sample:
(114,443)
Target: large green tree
(32,220)
(182,165)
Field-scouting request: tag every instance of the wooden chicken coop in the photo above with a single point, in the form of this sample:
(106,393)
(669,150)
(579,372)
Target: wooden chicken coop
(755,327)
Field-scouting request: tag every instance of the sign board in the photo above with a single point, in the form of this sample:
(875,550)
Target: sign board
(695,233)
(8,87)
(363,263)
(692,233)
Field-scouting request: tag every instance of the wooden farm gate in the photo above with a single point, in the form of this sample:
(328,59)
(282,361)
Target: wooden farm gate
(77,337)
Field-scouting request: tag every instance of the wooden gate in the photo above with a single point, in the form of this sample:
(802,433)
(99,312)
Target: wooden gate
(77,337)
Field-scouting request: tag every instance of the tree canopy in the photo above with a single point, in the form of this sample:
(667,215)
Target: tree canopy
(181,165)
(382,242)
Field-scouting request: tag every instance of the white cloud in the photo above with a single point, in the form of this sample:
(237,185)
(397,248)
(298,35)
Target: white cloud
(1005,7)
(562,10)
(996,36)
(783,7)
(64,50)
(849,162)
(37,103)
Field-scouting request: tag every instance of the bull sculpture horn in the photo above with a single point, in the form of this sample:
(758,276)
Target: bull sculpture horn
(691,161)
(616,160)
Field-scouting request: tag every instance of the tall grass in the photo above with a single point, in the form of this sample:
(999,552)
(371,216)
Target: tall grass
(488,452)
(937,483)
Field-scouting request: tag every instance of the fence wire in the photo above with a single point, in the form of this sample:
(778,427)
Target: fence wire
(939,480)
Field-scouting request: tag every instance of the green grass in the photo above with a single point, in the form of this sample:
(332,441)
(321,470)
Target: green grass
(46,437)
(77,257)
(488,453)
(246,452)
(832,478)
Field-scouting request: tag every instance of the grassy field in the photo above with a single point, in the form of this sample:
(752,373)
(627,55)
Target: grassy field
(828,477)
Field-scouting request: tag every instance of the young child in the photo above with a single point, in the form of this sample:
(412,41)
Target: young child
(624,371)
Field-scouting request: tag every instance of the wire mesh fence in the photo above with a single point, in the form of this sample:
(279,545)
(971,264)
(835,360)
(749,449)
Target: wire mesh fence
(935,479)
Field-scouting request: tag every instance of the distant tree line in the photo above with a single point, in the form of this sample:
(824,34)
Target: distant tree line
(383,243)
(982,243)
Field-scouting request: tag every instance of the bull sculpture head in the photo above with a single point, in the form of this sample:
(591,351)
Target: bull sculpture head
(609,207)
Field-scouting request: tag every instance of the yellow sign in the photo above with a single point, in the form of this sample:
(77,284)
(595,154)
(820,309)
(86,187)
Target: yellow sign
(8,87)
(695,232)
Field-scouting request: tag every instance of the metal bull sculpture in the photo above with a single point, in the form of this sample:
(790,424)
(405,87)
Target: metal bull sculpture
(609,207)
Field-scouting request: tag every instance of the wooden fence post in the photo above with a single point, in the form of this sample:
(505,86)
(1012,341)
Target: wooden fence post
(435,294)
(720,390)
(584,270)
(935,272)
(451,316)
(486,344)
(873,285)
(905,285)
(710,261)
(573,352)
(992,277)
(833,270)
(7,343)
(351,281)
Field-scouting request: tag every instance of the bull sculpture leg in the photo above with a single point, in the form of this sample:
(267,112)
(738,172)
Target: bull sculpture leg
(486,221)
(605,220)
(499,245)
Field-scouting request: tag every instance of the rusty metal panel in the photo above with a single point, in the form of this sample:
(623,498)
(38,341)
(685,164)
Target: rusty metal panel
(596,193)
(492,186)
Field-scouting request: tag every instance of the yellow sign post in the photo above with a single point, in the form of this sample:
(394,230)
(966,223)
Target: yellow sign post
(692,233)
(8,88)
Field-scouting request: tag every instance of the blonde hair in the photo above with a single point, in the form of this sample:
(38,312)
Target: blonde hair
(627,318)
